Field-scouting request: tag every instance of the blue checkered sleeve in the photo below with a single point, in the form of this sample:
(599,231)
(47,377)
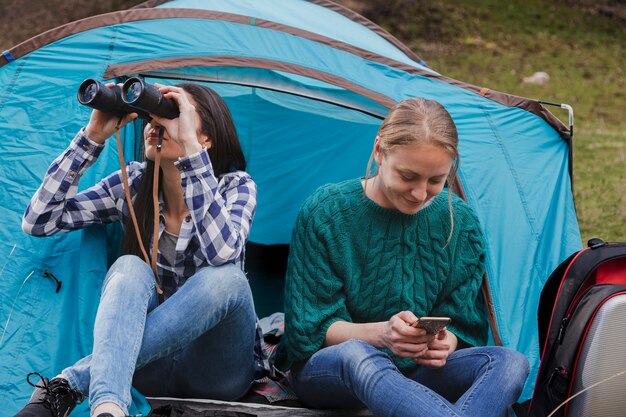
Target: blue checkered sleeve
(57,207)
(222,211)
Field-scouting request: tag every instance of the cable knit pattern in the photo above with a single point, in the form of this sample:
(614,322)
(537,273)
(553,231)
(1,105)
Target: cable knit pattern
(355,261)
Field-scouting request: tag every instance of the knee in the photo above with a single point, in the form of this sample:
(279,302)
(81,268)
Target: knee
(129,273)
(223,281)
(129,264)
(512,365)
(358,356)
(232,389)
(363,367)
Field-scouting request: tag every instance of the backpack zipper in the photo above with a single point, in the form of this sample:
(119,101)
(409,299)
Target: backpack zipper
(564,323)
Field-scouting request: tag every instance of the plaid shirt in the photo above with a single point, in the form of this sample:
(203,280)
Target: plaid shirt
(214,233)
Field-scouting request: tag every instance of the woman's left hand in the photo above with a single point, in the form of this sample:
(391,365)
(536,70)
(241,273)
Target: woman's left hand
(438,350)
(183,129)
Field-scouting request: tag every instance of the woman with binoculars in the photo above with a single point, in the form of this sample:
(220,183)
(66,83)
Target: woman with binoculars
(195,334)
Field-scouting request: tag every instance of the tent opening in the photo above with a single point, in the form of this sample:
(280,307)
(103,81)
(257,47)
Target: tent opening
(266,266)
(293,142)
(278,115)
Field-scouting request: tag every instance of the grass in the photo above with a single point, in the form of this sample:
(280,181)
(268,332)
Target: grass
(581,44)
(600,182)
(495,44)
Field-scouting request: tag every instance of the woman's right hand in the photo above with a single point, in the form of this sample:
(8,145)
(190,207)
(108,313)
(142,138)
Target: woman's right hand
(404,340)
(103,125)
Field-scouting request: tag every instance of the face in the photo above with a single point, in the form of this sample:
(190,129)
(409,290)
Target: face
(170,150)
(409,176)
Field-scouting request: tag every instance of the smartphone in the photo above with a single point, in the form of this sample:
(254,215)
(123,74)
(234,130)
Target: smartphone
(432,325)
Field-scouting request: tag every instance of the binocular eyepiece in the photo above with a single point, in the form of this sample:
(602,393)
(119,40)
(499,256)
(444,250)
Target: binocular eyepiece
(134,96)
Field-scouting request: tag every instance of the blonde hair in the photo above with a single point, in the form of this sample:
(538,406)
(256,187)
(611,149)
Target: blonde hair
(419,121)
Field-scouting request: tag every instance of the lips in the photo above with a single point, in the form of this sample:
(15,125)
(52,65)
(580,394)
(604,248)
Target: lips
(153,137)
(413,203)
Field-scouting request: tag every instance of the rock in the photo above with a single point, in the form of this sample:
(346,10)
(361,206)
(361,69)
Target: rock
(539,78)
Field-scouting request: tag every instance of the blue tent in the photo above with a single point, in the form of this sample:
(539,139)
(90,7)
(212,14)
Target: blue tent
(308,83)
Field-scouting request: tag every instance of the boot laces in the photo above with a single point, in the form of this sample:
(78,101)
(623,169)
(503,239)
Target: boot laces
(58,397)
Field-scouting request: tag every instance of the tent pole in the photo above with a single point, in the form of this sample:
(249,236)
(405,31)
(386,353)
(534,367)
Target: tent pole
(570,114)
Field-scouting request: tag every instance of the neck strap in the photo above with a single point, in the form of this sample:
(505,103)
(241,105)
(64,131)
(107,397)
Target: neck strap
(155,202)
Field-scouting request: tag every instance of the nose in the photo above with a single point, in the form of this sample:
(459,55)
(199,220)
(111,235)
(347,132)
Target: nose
(419,193)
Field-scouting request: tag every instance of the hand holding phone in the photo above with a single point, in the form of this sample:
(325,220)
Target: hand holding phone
(432,325)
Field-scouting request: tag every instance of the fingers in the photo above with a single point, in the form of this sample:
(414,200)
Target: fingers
(157,120)
(407,316)
(433,358)
(438,344)
(409,350)
(171,91)
(432,354)
(442,334)
(435,350)
(404,332)
(404,340)
(126,119)
(431,363)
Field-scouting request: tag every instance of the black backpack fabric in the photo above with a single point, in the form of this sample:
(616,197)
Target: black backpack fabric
(571,297)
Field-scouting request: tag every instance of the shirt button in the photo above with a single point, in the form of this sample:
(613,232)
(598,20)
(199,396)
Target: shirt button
(86,147)
(188,219)
(71,174)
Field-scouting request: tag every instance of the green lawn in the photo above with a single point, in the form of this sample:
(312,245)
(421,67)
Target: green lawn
(494,44)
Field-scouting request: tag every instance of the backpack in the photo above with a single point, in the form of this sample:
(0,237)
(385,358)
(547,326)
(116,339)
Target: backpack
(582,314)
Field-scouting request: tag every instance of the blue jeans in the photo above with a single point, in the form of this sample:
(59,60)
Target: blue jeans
(482,381)
(198,343)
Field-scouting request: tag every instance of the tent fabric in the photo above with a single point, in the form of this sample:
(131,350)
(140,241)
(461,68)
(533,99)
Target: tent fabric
(111,18)
(306,109)
(344,11)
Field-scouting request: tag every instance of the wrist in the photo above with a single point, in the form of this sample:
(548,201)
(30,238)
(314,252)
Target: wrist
(381,339)
(190,148)
(93,135)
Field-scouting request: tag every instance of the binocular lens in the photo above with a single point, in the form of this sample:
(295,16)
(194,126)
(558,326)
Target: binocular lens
(133,97)
(89,93)
(133,92)
(148,98)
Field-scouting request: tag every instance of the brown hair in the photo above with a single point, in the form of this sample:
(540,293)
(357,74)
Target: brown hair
(225,154)
(419,121)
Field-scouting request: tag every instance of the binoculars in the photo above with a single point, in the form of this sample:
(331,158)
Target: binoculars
(134,96)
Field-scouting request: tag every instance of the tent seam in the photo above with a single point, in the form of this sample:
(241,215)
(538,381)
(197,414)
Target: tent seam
(9,90)
(504,99)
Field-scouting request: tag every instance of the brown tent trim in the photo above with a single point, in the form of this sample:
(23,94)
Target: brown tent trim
(354,16)
(485,289)
(508,100)
(337,8)
(138,14)
(114,18)
(230,61)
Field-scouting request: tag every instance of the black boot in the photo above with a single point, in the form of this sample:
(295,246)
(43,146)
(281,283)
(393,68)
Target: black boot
(52,398)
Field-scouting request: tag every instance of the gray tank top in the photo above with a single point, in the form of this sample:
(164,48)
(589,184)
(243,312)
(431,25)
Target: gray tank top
(167,246)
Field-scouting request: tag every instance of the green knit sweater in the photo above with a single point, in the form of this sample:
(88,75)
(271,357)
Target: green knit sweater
(352,260)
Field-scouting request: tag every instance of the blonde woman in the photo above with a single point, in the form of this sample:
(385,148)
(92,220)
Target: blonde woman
(368,258)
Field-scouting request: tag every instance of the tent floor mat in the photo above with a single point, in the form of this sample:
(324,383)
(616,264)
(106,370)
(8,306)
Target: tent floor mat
(176,407)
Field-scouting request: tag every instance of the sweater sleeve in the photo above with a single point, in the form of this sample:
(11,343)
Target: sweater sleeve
(462,299)
(314,295)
